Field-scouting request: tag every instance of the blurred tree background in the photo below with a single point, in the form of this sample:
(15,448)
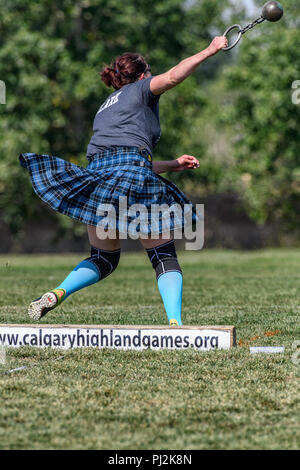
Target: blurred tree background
(235,113)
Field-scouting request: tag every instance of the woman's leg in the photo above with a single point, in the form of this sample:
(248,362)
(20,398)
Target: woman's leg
(104,259)
(162,254)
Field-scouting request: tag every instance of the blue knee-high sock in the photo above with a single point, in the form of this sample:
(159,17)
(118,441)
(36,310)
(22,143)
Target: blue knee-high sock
(85,274)
(170,288)
(91,270)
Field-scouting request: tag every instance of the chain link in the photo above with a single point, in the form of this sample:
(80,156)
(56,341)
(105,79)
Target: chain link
(252,25)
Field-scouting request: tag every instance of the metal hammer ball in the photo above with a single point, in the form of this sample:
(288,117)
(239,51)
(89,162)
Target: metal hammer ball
(272,11)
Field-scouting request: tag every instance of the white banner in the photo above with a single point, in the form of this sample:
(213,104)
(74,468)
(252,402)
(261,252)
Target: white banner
(117,337)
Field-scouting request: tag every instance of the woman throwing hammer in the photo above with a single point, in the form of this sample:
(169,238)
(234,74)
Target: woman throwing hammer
(125,131)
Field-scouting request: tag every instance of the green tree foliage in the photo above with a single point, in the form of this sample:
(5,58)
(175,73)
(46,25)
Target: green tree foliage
(235,113)
(50,57)
(264,121)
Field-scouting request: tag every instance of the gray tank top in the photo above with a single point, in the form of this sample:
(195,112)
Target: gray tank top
(128,117)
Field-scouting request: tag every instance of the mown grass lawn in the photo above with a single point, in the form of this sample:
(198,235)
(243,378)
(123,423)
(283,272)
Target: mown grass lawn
(108,399)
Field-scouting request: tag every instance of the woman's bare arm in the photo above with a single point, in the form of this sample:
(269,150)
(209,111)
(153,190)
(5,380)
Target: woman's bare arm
(185,162)
(165,81)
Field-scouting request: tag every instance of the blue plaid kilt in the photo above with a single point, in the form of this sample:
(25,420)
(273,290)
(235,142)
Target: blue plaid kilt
(110,190)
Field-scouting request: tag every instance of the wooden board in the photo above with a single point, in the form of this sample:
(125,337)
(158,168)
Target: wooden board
(136,337)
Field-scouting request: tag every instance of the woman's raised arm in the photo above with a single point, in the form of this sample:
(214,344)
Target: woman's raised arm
(165,81)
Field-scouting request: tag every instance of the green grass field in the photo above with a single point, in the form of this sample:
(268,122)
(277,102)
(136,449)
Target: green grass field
(107,399)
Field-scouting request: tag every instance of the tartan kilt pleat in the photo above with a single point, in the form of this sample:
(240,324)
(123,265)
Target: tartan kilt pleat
(111,176)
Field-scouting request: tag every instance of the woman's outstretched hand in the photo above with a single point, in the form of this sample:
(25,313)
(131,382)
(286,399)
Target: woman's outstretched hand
(217,44)
(186,162)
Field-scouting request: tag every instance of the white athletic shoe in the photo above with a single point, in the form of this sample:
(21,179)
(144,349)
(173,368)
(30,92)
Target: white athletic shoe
(39,307)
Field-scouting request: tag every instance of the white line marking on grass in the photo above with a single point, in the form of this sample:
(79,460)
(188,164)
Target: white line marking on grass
(29,366)
(267,349)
